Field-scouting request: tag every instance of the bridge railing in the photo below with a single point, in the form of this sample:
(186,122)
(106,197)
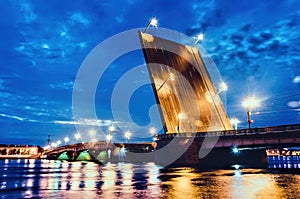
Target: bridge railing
(270,129)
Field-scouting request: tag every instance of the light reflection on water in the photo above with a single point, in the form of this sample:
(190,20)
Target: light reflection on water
(56,179)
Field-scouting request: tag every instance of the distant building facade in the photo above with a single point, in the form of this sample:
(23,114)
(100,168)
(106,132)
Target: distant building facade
(19,151)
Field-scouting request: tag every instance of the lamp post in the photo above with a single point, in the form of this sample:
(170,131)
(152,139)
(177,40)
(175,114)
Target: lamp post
(49,139)
(250,103)
(58,142)
(179,116)
(153,22)
(77,136)
(235,122)
(66,139)
(53,144)
(127,135)
(111,130)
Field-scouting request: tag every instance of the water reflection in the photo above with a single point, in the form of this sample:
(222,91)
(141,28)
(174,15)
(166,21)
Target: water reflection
(59,179)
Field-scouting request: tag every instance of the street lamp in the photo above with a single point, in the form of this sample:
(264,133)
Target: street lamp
(222,87)
(199,37)
(171,77)
(66,139)
(250,103)
(127,135)
(153,22)
(111,130)
(235,122)
(152,131)
(58,142)
(179,117)
(77,136)
(53,144)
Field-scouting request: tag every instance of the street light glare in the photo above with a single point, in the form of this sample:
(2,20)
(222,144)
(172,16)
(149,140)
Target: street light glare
(53,144)
(235,122)
(77,136)
(127,134)
(199,37)
(111,128)
(181,115)
(223,87)
(251,102)
(152,131)
(235,150)
(154,22)
(66,139)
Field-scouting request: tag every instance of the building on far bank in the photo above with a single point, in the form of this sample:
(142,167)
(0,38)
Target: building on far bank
(19,151)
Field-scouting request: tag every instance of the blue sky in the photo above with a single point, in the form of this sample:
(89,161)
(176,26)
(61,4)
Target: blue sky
(255,45)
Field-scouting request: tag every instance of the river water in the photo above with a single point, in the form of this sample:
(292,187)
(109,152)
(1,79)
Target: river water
(57,179)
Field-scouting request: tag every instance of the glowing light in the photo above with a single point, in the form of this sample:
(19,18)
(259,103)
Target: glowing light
(77,136)
(92,132)
(235,150)
(53,144)
(66,139)
(154,22)
(236,166)
(251,102)
(235,122)
(223,87)
(58,142)
(181,116)
(47,147)
(112,128)
(152,131)
(127,135)
(199,37)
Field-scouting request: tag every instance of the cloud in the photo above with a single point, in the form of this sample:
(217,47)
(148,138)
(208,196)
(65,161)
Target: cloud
(12,116)
(86,122)
(295,80)
(64,85)
(79,18)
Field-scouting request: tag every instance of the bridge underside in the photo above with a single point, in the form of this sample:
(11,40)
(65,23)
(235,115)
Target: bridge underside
(246,148)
